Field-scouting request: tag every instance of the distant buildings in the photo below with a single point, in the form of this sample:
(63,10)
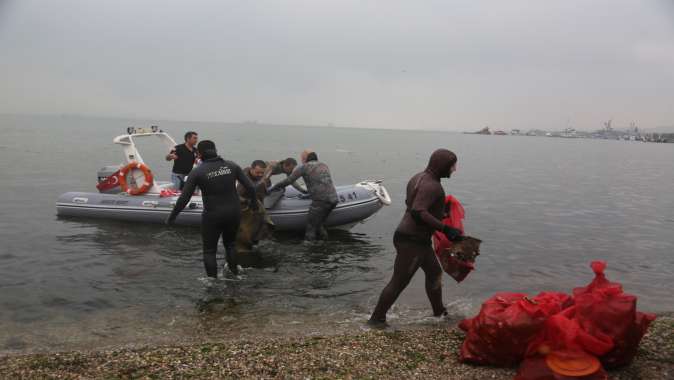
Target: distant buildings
(483,131)
(608,132)
(569,133)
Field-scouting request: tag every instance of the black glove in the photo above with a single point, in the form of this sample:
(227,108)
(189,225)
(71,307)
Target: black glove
(452,234)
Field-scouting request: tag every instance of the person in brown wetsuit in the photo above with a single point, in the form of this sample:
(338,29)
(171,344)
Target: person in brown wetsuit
(412,239)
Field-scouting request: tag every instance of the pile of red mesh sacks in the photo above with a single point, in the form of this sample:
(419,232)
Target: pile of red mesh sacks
(557,336)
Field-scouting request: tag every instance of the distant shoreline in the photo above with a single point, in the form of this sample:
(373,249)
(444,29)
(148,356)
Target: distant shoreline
(657,130)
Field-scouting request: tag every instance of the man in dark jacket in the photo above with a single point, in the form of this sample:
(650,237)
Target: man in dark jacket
(412,239)
(323,194)
(183,157)
(222,211)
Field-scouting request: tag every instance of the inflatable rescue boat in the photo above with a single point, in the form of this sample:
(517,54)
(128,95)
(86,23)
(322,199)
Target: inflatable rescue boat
(129,192)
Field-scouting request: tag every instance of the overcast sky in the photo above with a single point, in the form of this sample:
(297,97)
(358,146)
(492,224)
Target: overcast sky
(453,65)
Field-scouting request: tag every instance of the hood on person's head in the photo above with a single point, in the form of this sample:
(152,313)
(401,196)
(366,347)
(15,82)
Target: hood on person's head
(441,163)
(206,149)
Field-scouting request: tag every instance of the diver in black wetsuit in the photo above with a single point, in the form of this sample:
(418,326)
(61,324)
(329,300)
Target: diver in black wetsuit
(216,178)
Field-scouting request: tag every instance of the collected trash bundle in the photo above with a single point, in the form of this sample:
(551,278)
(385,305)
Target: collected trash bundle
(500,334)
(558,336)
(457,258)
(603,308)
(563,348)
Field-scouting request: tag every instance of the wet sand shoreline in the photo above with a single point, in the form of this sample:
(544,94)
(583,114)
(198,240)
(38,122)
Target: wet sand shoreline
(425,352)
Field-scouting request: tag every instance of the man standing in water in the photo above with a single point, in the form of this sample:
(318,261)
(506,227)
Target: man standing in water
(183,157)
(323,194)
(222,211)
(255,224)
(412,239)
(257,174)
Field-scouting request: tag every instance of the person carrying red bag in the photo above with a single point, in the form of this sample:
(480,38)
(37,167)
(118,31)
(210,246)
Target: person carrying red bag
(412,239)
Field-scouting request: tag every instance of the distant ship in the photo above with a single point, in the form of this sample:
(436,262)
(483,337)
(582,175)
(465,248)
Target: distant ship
(569,133)
(483,131)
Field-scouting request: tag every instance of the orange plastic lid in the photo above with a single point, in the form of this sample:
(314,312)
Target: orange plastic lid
(572,363)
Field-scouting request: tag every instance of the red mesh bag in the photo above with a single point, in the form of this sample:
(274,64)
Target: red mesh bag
(562,337)
(456,268)
(562,332)
(603,310)
(507,322)
(599,282)
(456,213)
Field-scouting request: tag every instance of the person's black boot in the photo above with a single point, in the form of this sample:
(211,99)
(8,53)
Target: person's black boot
(232,262)
(377,324)
(211,264)
(443,314)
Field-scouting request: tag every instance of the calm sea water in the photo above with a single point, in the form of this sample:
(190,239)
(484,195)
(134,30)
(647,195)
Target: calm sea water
(544,207)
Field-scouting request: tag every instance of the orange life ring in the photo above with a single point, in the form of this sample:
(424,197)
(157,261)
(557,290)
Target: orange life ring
(147,173)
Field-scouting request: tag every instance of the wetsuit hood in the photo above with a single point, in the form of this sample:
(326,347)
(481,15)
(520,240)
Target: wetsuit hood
(441,162)
(209,154)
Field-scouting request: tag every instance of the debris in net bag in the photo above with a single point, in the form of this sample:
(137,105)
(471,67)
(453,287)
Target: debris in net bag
(603,309)
(456,258)
(563,333)
(507,323)
(558,336)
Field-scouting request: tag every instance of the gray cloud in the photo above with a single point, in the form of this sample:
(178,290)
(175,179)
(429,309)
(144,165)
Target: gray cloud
(436,64)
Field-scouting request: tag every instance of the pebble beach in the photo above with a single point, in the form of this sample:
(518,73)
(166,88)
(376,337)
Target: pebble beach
(388,354)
